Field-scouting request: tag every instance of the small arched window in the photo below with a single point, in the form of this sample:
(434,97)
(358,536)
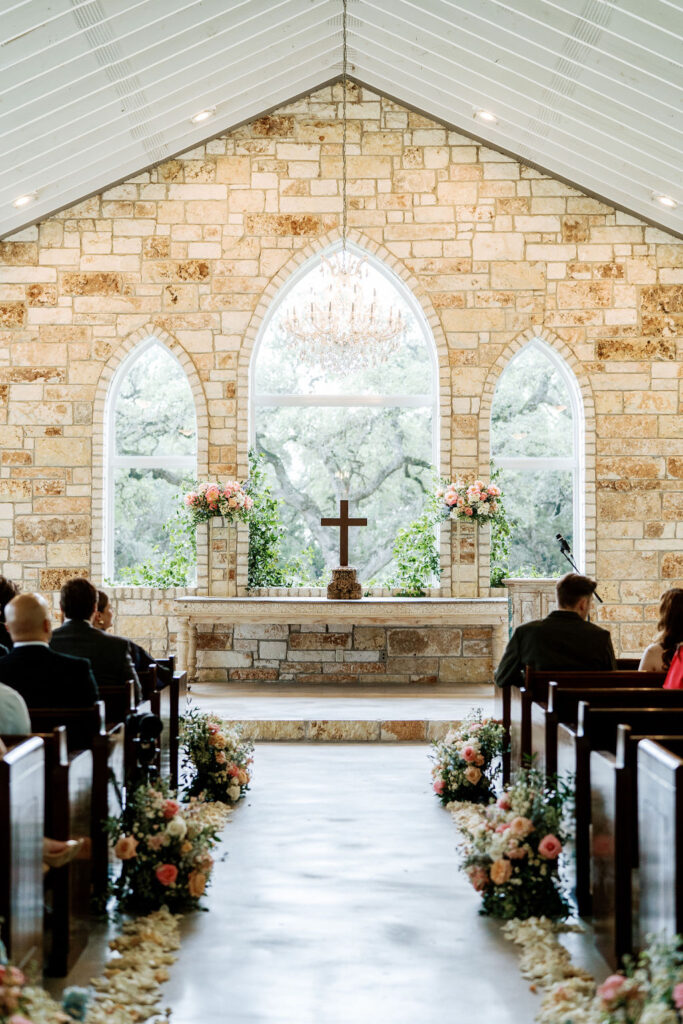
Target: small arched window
(367,435)
(152,449)
(537,443)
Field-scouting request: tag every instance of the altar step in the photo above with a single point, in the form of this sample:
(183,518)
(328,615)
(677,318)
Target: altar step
(343,714)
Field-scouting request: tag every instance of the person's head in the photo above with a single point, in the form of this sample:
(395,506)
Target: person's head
(575,593)
(670,623)
(104,614)
(28,618)
(78,599)
(8,590)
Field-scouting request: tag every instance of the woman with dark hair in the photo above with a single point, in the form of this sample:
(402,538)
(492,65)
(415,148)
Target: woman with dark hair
(103,619)
(657,656)
(8,590)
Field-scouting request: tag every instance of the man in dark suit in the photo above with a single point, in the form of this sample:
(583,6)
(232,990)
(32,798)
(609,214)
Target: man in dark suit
(565,640)
(109,655)
(44,678)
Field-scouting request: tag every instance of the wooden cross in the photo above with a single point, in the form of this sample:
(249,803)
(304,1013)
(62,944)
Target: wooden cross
(343,522)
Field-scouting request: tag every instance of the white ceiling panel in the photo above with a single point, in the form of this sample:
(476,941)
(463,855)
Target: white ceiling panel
(94,91)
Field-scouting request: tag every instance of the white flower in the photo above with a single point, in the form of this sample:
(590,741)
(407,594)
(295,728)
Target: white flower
(234,792)
(483,508)
(658,1013)
(177,828)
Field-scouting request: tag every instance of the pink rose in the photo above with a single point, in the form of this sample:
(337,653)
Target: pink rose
(212,493)
(439,786)
(17,1018)
(501,872)
(469,512)
(156,842)
(550,847)
(503,802)
(220,757)
(213,729)
(126,848)
(479,877)
(516,852)
(521,827)
(611,987)
(167,874)
(677,995)
(473,774)
(233,771)
(469,754)
(170,808)
(191,498)
(503,827)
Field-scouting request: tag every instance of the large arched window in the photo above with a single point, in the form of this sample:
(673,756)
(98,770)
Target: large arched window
(537,443)
(152,449)
(369,435)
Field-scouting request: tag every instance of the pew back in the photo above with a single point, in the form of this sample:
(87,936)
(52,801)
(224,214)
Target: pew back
(660,818)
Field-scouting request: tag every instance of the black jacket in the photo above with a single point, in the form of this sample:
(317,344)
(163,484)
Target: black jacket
(5,638)
(108,655)
(563,641)
(46,679)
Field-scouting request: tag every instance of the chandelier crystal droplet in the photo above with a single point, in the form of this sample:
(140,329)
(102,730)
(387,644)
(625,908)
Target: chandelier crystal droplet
(343,326)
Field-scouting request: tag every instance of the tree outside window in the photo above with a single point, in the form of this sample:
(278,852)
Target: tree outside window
(536,442)
(153,448)
(367,435)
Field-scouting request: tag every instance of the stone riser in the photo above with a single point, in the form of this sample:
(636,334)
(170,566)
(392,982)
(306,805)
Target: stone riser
(345,731)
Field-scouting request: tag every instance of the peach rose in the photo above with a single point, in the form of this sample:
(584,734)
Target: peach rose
(220,757)
(196,884)
(439,786)
(473,775)
(167,874)
(521,827)
(170,808)
(156,842)
(126,848)
(479,877)
(479,760)
(501,871)
(550,847)
(217,740)
(242,777)
(186,847)
(516,852)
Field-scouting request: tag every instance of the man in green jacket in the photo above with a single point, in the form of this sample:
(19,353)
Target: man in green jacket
(565,640)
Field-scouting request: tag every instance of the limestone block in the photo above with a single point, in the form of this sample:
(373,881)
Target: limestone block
(425,640)
(62,451)
(12,314)
(318,641)
(415,731)
(369,638)
(636,348)
(465,670)
(494,245)
(54,579)
(40,529)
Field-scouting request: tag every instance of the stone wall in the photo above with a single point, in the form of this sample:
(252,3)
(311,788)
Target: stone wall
(196,249)
(344,654)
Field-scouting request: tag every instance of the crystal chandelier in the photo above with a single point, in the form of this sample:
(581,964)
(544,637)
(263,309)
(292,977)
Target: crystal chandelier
(343,327)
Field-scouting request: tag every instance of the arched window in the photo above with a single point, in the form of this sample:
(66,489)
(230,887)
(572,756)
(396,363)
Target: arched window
(537,443)
(366,435)
(152,449)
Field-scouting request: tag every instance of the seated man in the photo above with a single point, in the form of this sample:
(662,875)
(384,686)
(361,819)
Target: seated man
(44,678)
(564,640)
(109,655)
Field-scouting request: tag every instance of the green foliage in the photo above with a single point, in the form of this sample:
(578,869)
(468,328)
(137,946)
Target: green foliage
(501,531)
(415,552)
(172,566)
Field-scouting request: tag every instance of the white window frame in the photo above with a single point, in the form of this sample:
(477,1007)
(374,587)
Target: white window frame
(430,400)
(114,461)
(575,464)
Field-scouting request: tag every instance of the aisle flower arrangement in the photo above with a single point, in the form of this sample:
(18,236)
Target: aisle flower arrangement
(217,760)
(467,761)
(649,992)
(229,500)
(164,849)
(513,849)
(478,501)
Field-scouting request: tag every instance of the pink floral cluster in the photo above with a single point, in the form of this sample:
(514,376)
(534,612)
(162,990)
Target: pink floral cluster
(619,994)
(215,499)
(463,760)
(12,982)
(476,501)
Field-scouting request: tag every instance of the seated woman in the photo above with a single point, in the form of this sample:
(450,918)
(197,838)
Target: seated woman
(103,619)
(657,656)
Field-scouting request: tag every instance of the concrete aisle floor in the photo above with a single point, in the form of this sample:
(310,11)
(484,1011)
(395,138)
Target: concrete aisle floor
(340,902)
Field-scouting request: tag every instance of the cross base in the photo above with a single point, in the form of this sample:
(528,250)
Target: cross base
(344,585)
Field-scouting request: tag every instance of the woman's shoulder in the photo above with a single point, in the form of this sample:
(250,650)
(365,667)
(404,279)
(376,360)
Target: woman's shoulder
(653,658)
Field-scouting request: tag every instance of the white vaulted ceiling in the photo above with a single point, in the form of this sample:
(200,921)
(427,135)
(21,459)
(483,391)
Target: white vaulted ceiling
(93,91)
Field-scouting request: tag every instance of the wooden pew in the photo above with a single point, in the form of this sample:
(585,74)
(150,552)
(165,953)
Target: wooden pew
(596,729)
(86,730)
(614,842)
(173,697)
(22,812)
(503,697)
(562,706)
(660,829)
(535,690)
(68,815)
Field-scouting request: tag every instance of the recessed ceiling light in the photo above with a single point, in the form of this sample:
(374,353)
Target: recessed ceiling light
(485,115)
(24,200)
(665,200)
(203,115)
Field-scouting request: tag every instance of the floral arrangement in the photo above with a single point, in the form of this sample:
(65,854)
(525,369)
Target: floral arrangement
(21,1004)
(164,849)
(466,761)
(217,759)
(649,992)
(476,501)
(215,499)
(513,849)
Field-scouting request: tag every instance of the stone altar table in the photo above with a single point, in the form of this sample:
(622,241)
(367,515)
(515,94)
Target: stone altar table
(312,640)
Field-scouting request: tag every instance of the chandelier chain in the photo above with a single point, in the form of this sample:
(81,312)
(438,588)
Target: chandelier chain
(344,71)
